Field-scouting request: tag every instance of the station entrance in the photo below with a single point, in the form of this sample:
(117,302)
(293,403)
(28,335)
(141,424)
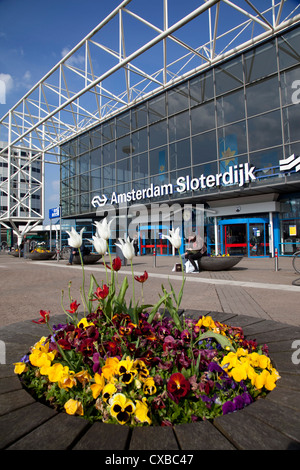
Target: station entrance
(245,237)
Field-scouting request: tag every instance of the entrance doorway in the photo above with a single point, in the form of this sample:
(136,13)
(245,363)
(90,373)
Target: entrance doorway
(245,237)
(150,239)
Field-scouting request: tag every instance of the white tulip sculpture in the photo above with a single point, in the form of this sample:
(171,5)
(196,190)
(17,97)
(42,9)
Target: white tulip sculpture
(103,229)
(101,247)
(127,249)
(75,241)
(175,239)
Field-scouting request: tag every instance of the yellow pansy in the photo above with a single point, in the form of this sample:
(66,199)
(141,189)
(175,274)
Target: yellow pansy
(110,367)
(97,387)
(264,362)
(207,322)
(83,376)
(141,368)
(126,370)
(20,367)
(84,323)
(73,407)
(239,372)
(108,391)
(121,408)
(57,371)
(230,359)
(67,381)
(142,412)
(149,387)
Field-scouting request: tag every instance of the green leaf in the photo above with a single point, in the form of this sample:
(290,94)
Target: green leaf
(91,290)
(156,307)
(122,292)
(222,340)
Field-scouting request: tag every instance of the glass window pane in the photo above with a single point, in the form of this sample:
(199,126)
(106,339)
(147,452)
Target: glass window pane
(139,117)
(96,158)
(84,143)
(260,62)
(109,177)
(202,88)
(210,168)
(73,166)
(289,49)
(157,108)
(85,202)
(124,170)
(262,96)
(122,125)
(140,141)
(158,134)
(290,86)
(179,126)
(291,123)
(204,148)
(232,140)
(266,162)
(108,131)
(123,147)
(140,166)
(108,153)
(158,160)
(64,170)
(265,131)
(203,117)
(84,163)
(96,180)
(95,138)
(84,183)
(229,76)
(178,99)
(180,154)
(231,107)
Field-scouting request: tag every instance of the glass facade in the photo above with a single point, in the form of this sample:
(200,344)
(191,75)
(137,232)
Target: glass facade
(242,111)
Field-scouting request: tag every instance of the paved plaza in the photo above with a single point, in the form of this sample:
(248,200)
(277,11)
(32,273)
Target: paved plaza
(253,287)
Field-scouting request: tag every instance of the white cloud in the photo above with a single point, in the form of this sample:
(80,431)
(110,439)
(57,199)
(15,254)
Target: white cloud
(76,59)
(6,84)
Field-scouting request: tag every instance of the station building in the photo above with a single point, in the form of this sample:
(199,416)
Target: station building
(227,138)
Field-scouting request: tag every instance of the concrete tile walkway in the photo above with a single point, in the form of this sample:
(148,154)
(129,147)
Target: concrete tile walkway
(252,287)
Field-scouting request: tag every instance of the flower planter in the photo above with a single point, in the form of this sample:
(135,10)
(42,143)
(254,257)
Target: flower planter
(269,424)
(219,263)
(87,259)
(40,256)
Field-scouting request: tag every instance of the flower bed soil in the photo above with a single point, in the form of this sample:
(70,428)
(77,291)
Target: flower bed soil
(269,423)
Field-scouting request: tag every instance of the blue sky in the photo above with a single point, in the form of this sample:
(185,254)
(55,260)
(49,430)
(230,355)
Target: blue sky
(35,34)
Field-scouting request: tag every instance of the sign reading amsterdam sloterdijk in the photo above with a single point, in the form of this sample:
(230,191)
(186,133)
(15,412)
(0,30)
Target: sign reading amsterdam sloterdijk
(237,174)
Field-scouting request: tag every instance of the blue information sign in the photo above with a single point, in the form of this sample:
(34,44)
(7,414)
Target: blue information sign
(53,213)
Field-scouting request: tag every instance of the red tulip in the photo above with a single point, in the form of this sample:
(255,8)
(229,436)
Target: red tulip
(45,317)
(116,264)
(73,307)
(101,293)
(142,278)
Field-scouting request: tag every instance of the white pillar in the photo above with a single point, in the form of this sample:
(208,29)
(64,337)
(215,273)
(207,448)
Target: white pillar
(216,236)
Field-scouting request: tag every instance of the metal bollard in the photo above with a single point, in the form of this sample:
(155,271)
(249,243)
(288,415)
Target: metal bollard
(154,258)
(276,259)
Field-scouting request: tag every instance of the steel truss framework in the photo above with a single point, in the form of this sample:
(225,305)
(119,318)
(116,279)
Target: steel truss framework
(123,60)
